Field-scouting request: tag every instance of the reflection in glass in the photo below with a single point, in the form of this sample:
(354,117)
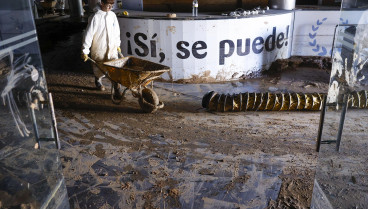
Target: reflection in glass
(29,177)
(341,178)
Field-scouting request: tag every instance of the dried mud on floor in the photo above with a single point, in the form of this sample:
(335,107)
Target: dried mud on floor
(182,156)
(115,156)
(342,176)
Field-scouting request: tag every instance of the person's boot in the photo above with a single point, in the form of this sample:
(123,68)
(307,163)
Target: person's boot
(99,84)
(62,13)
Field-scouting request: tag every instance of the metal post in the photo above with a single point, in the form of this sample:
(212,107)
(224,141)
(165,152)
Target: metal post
(321,121)
(54,124)
(282,4)
(33,118)
(342,120)
(34,8)
(76,8)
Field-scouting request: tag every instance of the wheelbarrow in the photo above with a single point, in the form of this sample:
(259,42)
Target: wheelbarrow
(134,74)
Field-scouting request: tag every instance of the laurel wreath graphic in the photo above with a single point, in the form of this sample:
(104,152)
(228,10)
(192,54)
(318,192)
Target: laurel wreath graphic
(322,51)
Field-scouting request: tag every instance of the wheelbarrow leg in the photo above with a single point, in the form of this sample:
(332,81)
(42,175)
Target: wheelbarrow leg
(116,95)
(124,92)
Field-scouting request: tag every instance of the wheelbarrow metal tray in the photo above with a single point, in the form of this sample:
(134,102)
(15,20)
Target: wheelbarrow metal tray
(133,72)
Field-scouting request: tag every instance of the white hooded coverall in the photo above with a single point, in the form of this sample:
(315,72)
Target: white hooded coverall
(103,37)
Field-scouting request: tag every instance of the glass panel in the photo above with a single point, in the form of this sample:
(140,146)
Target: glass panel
(29,177)
(341,177)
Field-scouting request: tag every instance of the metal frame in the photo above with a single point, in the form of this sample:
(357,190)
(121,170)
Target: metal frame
(55,135)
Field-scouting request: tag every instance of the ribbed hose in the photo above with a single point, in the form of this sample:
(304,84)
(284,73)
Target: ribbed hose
(261,101)
(274,101)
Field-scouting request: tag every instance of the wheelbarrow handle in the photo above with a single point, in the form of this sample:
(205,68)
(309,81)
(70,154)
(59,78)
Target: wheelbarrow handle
(90,59)
(94,62)
(121,55)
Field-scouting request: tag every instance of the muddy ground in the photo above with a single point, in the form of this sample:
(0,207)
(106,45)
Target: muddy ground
(182,156)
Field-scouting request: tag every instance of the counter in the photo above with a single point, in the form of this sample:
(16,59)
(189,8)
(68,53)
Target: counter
(210,47)
(214,47)
(188,16)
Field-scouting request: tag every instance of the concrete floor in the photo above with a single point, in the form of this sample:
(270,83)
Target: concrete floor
(341,176)
(115,156)
(182,156)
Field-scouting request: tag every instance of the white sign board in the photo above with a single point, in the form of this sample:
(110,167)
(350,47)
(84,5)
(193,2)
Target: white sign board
(221,49)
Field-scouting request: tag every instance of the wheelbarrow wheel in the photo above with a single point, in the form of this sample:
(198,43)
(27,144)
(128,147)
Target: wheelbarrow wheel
(149,101)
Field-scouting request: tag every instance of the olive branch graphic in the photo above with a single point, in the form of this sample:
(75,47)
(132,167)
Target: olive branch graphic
(317,48)
(313,36)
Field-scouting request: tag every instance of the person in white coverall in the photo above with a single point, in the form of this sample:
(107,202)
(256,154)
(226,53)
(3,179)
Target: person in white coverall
(61,7)
(102,36)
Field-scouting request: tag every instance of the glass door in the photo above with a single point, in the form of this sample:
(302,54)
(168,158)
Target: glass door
(30,169)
